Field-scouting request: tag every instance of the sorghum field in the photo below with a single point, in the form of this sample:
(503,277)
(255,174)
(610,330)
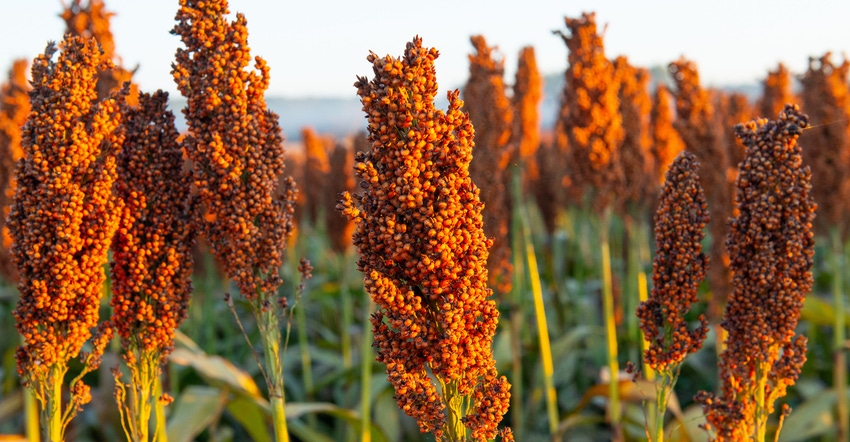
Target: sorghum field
(666,264)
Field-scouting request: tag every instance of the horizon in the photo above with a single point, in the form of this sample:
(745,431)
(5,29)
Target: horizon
(319,52)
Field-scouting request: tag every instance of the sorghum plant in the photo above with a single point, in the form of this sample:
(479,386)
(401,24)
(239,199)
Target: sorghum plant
(14,109)
(528,90)
(62,221)
(639,186)
(733,108)
(236,145)
(666,142)
(771,246)
(152,255)
(340,178)
(776,91)
(316,170)
(677,271)
(490,112)
(423,252)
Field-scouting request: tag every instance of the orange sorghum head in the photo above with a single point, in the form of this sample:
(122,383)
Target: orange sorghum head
(64,212)
(92,21)
(528,90)
(490,112)
(340,179)
(422,246)
(826,96)
(678,268)
(666,142)
(14,109)
(590,115)
(771,248)
(152,249)
(776,91)
(316,169)
(236,145)
(733,108)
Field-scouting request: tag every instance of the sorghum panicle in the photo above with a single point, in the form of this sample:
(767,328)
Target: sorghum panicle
(678,269)
(591,116)
(423,250)
(826,95)
(236,145)
(92,21)
(666,142)
(14,110)
(776,91)
(527,93)
(639,185)
(733,108)
(152,249)
(316,170)
(771,248)
(64,214)
(490,112)
(340,179)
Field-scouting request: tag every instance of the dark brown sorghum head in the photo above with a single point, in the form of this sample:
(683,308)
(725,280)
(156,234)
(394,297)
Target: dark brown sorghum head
(236,145)
(152,250)
(14,110)
(422,246)
(340,179)
(666,142)
(700,127)
(64,213)
(678,268)
(776,91)
(590,115)
(490,111)
(771,248)
(826,96)
(639,185)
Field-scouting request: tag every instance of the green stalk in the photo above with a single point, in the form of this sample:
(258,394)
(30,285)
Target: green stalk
(366,376)
(268,323)
(142,393)
(31,416)
(610,326)
(454,408)
(761,407)
(52,414)
(542,329)
(840,361)
(160,433)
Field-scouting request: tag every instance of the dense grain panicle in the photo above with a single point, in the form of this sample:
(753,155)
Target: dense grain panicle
(771,248)
(424,252)
(14,110)
(525,102)
(316,171)
(678,269)
(776,91)
(340,179)
(152,249)
(92,21)
(64,215)
(639,184)
(236,145)
(666,142)
(590,115)
(700,127)
(490,112)
(827,99)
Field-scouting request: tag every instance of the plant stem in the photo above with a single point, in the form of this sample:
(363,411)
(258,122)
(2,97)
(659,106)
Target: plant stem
(160,433)
(840,368)
(142,392)
(52,414)
(454,409)
(542,329)
(366,376)
(270,332)
(760,418)
(610,326)
(31,416)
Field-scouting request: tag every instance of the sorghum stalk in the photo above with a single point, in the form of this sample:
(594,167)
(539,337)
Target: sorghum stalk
(424,253)
(771,247)
(678,269)
(236,145)
(62,221)
(152,254)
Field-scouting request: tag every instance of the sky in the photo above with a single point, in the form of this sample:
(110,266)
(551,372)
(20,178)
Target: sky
(316,48)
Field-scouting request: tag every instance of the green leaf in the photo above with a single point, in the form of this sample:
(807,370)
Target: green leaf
(217,371)
(294,410)
(195,410)
(252,417)
(810,419)
(687,429)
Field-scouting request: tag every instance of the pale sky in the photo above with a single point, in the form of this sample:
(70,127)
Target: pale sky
(316,48)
